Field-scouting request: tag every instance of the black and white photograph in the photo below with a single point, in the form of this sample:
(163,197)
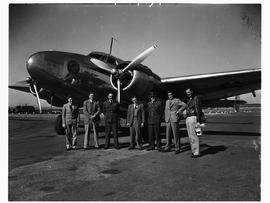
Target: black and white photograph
(134,102)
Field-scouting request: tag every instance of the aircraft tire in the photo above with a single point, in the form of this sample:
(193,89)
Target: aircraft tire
(58,125)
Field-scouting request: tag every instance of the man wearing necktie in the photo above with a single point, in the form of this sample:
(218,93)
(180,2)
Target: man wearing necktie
(70,121)
(173,108)
(135,120)
(155,111)
(111,111)
(91,110)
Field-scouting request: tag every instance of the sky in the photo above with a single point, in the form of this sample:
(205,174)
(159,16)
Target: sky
(191,38)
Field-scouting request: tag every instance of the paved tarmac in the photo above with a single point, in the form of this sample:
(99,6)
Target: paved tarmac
(229,169)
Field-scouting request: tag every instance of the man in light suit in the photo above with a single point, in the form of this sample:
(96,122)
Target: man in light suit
(91,110)
(111,111)
(70,121)
(173,108)
(135,120)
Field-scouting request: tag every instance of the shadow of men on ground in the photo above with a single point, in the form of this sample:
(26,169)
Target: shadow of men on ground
(207,149)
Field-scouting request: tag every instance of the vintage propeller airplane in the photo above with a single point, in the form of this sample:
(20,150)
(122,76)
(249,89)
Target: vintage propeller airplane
(54,75)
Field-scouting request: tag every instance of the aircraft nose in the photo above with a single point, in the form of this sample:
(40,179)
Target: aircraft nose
(45,67)
(37,69)
(34,63)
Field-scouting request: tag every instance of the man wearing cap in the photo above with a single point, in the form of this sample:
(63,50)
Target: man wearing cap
(135,120)
(91,110)
(154,114)
(70,121)
(173,108)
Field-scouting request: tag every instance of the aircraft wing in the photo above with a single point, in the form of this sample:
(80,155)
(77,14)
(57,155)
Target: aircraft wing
(216,85)
(22,86)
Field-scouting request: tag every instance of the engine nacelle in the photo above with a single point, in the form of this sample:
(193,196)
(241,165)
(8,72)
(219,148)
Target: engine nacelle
(136,81)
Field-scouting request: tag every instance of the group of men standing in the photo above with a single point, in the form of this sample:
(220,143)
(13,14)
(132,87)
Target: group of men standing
(136,119)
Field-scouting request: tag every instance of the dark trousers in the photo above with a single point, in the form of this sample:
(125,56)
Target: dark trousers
(108,128)
(154,134)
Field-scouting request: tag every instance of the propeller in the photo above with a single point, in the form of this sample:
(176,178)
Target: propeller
(38,99)
(101,65)
(30,81)
(139,59)
(118,73)
(118,90)
(22,83)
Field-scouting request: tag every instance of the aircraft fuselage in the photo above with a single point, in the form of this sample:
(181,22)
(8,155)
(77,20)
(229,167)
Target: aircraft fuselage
(63,74)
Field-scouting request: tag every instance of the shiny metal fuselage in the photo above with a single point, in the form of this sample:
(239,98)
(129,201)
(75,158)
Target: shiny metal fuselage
(49,70)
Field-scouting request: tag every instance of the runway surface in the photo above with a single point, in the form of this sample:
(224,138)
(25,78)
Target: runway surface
(229,169)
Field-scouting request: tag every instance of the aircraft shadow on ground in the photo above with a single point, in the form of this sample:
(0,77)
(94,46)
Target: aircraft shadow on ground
(205,148)
(124,132)
(221,122)
(228,133)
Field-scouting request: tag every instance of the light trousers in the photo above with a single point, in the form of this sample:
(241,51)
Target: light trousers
(71,135)
(172,127)
(191,123)
(87,128)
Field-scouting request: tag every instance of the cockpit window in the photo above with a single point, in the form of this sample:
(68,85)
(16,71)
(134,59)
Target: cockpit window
(95,55)
(112,61)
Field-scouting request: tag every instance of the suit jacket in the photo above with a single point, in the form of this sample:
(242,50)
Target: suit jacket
(130,114)
(173,107)
(91,109)
(111,111)
(70,116)
(154,112)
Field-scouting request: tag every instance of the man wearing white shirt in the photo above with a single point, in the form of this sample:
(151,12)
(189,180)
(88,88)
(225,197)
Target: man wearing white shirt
(91,110)
(135,120)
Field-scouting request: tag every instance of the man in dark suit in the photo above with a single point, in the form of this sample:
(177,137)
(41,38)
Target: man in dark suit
(91,110)
(111,111)
(154,112)
(135,120)
(70,121)
(173,108)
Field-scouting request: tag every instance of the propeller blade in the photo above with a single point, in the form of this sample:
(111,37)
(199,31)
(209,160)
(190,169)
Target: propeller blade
(140,58)
(22,83)
(118,90)
(38,99)
(101,65)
